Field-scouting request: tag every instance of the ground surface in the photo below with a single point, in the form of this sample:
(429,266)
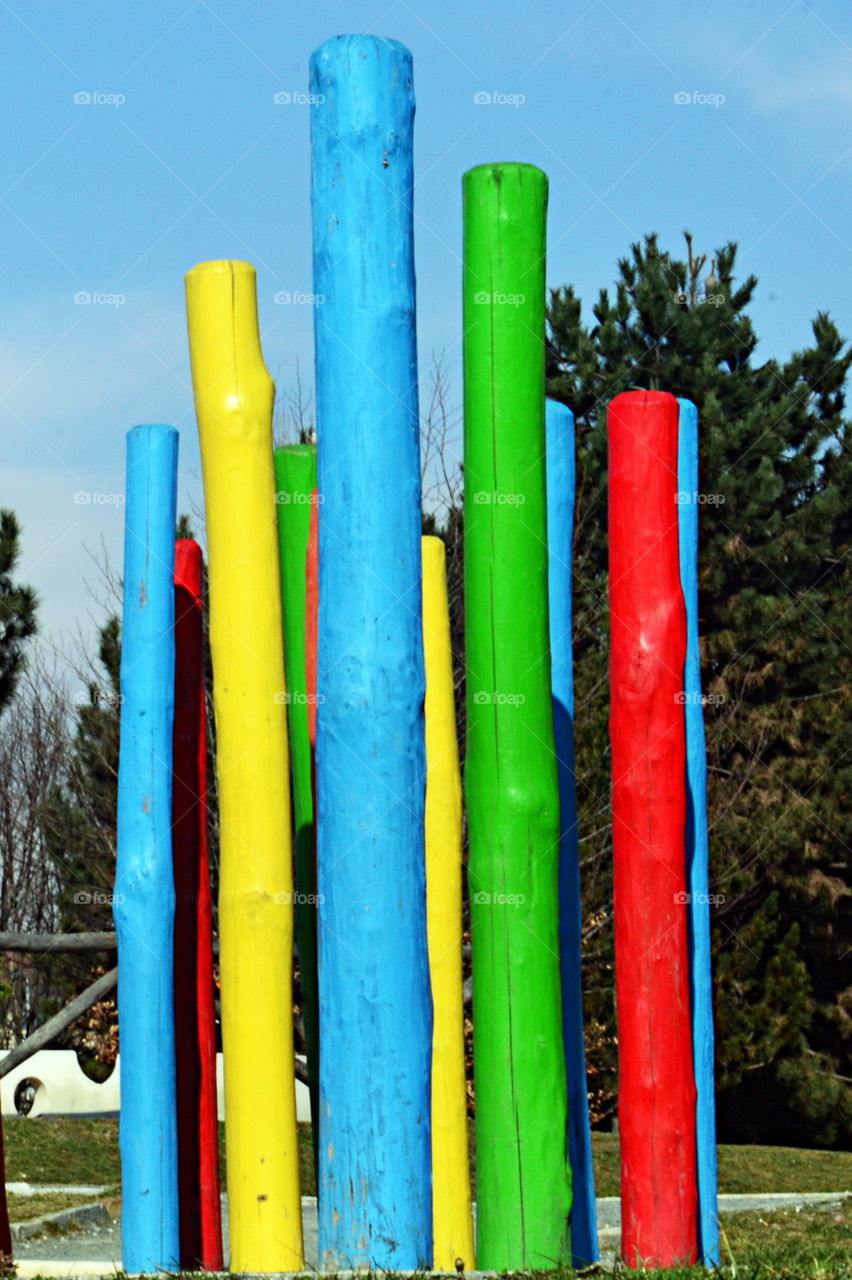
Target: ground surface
(59,1150)
(764,1239)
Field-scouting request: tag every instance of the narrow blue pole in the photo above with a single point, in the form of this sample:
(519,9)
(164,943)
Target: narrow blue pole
(559,423)
(697,869)
(375,1002)
(145,897)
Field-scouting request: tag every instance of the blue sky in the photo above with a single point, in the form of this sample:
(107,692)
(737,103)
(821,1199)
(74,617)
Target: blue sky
(181,154)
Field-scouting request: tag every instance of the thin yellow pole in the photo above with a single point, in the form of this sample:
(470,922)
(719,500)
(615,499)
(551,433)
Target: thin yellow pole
(233,396)
(451,1206)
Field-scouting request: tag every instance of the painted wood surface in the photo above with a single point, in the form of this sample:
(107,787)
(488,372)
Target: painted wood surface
(451,1202)
(233,399)
(559,422)
(375,1005)
(195,1014)
(656,1112)
(523,1171)
(144,906)
(295,484)
(697,869)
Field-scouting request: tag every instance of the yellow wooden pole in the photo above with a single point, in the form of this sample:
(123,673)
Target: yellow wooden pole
(234,395)
(451,1207)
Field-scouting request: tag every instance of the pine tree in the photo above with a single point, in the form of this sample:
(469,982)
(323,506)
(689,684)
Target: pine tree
(774,614)
(18,607)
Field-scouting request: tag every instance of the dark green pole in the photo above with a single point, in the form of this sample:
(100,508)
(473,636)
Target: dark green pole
(523,1173)
(295,482)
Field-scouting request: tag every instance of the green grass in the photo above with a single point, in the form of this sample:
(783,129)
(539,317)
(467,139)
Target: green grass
(25,1208)
(67,1150)
(749,1170)
(815,1244)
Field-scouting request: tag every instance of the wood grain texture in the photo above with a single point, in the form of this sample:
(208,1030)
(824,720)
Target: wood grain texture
(648,649)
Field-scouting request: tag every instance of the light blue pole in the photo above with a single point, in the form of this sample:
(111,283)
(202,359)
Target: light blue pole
(375,1001)
(559,422)
(145,897)
(701,985)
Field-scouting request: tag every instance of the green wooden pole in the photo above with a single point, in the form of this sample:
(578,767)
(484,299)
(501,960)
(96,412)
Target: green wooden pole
(523,1174)
(295,482)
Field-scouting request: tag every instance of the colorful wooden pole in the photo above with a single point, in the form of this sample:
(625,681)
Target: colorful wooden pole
(233,397)
(295,482)
(559,422)
(144,906)
(523,1174)
(697,857)
(648,650)
(451,1205)
(5,1228)
(375,1005)
(311,611)
(195,1016)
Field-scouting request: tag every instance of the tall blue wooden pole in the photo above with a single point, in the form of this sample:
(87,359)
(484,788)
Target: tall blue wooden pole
(375,1003)
(144,904)
(697,869)
(559,422)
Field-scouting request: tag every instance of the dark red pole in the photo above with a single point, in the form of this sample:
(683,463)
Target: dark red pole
(195,1025)
(656,1104)
(5,1230)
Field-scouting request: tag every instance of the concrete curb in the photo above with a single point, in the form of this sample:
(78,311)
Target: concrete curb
(81,1215)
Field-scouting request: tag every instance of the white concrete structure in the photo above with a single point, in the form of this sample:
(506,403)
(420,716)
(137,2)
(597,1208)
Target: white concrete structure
(53,1080)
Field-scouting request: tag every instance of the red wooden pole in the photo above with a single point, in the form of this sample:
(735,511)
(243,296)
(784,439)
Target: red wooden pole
(5,1230)
(195,1027)
(648,647)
